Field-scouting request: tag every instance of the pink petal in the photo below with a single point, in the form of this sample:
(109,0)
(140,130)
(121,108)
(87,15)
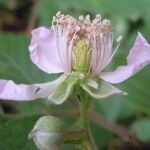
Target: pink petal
(137,59)
(43,50)
(22,92)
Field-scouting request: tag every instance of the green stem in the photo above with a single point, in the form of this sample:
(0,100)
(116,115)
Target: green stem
(75,134)
(83,114)
(87,143)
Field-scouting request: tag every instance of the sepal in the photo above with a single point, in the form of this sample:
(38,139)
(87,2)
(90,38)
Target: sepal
(100,89)
(64,89)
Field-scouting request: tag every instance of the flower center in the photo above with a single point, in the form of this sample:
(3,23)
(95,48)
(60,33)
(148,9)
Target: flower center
(81,56)
(84,45)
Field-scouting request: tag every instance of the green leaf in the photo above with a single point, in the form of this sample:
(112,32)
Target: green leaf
(14,133)
(120,7)
(99,89)
(79,7)
(141,127)
(137,88)
(114,108)
(46,10)
(101,136)
(64,90)
(15,62)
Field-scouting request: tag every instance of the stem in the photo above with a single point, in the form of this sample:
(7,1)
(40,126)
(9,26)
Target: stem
(83,115)
(87,143)
(32,17)
(75,134)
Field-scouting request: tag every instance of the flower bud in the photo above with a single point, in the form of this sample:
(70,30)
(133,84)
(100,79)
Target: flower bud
(48,133)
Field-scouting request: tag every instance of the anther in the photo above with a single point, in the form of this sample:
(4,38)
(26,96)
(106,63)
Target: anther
(58,13)
(81,18)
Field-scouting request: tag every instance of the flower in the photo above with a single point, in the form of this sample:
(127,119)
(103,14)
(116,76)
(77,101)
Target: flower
(80,49)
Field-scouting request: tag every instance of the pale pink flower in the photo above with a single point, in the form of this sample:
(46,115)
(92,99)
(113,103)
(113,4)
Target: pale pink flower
(80,47)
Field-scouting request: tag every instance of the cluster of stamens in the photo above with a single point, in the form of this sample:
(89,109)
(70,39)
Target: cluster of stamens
(70,31)
(83,26)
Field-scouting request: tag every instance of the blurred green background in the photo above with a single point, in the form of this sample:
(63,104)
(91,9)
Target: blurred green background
(18,17)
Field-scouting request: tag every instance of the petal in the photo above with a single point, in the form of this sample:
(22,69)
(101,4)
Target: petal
(137,59)
(43,50)
(64,90)
(22,92)
(102,90)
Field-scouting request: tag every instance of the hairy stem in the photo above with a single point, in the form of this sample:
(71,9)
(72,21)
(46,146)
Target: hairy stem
(87,143)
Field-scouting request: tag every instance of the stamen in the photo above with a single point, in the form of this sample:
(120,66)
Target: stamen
(119,41)
(93,38)
(64,27)
(58,13)
(81,18)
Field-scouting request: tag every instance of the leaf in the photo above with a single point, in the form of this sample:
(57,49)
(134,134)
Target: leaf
(46,10)
(14,133)
(64,90)
(78,6)
(137,88)
(114,108)
(141,127)
(121,7)
(101,136)
(30,107)
(15,62)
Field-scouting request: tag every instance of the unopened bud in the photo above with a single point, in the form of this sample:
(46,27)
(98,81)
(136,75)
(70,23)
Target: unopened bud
(48,133)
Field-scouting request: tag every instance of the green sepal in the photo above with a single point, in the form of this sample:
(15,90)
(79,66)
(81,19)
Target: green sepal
(64,89)
(99,89)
